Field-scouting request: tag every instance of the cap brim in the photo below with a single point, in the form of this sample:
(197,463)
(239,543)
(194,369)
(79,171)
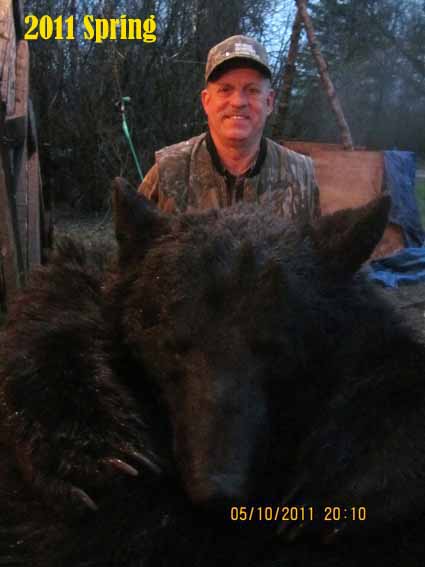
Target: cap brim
(237,63)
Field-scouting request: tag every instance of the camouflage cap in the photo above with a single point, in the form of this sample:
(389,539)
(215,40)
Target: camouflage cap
(237,47)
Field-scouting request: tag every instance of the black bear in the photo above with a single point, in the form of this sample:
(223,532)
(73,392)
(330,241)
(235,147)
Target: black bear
(232,392)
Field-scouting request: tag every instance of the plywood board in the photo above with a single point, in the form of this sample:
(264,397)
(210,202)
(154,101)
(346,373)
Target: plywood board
(349,179)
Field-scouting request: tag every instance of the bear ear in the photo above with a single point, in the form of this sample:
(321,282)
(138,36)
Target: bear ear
(137,220)
(347,238)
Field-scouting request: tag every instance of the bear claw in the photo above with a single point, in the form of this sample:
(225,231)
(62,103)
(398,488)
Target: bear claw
(154,467)
(123,466)
(84,498)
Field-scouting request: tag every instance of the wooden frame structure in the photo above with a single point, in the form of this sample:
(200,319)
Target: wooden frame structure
(24,219)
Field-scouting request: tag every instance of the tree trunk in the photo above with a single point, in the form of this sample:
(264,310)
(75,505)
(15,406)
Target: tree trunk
(346,138)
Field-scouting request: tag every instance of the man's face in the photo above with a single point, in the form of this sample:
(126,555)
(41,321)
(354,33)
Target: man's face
(237,105)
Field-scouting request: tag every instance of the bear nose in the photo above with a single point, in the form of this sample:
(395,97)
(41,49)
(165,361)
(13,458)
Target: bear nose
(218,490)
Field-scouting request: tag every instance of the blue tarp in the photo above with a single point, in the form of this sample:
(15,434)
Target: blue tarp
(403,267)
(407,265)
(399,179)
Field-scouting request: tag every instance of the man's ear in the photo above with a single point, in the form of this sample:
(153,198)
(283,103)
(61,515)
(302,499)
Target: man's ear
(347,238)
(270,101)
(205,98)
(137,221)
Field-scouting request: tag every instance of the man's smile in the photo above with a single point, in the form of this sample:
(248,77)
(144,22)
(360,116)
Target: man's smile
(237,117)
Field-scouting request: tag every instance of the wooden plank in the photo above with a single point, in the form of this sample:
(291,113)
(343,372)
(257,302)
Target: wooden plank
(8,248)
(16,123)
(2,289)
(21,196)
(349,179)
(45,236)
(15,129)
(6,23)
(46,220)
(7,87)
(34,212)
(18,12)
(32,129)
(22,64)
(346,179)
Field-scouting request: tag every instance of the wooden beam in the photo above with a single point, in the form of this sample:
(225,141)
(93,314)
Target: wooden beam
(8,245)
(289,72)
(346,138)
(18,12)
(34,217)
(7,56)
(16,123)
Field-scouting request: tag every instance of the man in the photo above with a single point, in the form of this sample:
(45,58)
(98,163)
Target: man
(233,161)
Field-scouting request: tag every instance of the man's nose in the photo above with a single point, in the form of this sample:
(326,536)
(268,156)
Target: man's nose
(239,98)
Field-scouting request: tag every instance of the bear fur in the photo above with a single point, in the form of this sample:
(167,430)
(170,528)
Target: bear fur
(229,360)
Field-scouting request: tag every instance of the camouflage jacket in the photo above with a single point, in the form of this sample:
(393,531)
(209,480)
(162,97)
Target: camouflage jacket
(185,178)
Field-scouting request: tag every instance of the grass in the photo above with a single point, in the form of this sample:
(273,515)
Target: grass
(93,230)
(420,195)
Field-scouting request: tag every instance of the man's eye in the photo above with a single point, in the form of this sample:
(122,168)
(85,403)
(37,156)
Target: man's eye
(254,91)
(224,89)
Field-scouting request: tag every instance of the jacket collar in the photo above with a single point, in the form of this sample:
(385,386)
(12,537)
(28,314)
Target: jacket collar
(216,161)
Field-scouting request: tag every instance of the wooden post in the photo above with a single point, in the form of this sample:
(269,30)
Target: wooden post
(289,70)
(346,138)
